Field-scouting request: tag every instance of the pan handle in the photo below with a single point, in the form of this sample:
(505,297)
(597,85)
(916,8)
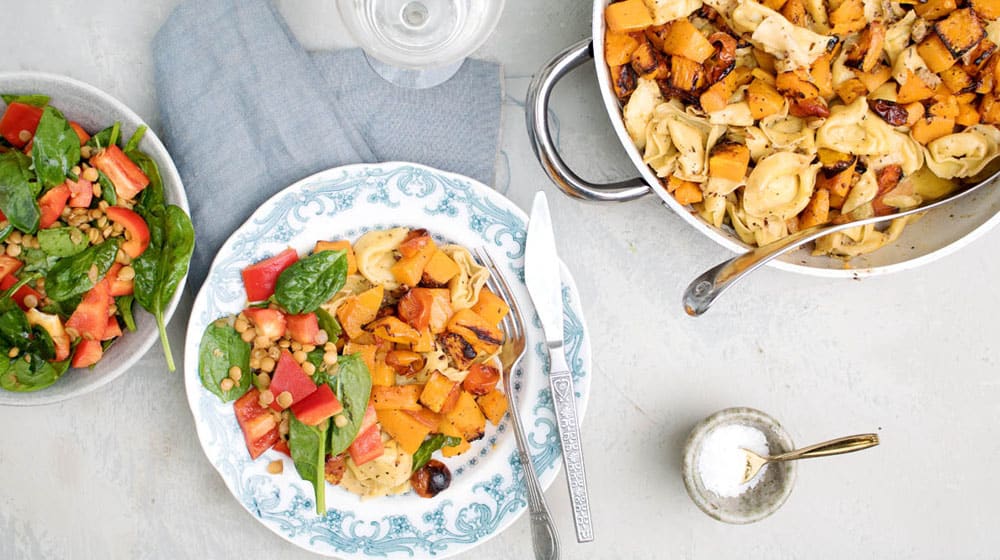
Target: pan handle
(537,105)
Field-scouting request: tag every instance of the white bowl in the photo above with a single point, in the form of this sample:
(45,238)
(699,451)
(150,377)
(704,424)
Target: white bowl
(96,110)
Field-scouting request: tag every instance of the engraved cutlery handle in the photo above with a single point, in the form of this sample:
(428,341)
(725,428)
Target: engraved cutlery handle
(564,403)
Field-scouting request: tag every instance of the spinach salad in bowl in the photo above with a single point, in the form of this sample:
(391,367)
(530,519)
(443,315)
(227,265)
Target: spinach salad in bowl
(86,233)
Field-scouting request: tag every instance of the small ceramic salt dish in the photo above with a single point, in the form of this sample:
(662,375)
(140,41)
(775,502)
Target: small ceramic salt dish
(714,464)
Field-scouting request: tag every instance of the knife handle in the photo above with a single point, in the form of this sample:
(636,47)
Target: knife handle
(564,403)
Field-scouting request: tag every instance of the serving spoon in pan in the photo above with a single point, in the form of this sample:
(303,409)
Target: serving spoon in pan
(703,290)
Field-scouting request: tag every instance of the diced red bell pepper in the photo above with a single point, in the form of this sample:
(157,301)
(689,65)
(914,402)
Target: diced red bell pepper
(19,117)
(80,132)
(27,149)
(136,230)
(481,379)
(119,287)
(260,430)
(415,308)
(87,353)
(90,318)
(260,278)
(319,406)
(368,444)
(282,447)
(9,265)
(51,205)
(267,322)
(112,330)
(303,328)
(24,291)
(288,376)
(81,193)
(52,325)
(125,175)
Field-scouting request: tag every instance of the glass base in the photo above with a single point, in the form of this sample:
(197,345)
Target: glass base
(414,79)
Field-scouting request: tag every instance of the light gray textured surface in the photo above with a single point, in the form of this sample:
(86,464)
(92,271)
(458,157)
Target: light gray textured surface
(915,356)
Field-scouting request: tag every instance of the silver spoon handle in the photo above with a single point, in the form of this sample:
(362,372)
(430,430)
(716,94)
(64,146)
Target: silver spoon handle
(544,537)
(704,289)
(833,447)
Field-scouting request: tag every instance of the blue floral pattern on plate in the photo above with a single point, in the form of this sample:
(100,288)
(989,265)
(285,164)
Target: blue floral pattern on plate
(486,493)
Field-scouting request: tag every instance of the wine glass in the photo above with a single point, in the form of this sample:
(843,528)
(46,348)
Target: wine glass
(419,43)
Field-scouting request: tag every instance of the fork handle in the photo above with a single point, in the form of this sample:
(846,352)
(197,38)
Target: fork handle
(544,538)
(564,403)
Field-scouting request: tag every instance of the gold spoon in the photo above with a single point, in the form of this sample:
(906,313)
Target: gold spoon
(833,447)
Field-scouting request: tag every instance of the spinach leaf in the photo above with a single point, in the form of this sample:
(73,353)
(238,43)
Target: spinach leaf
(311,281)
(162,267)
(5,230)
(17,201)
(152,197)
(353,385)
(62,241)
(106,137)
(15,332)
(35,100)
(328,323)
(133,142)
(124,305)
(308,447)
(56,148)
(37,260)
(107,189)
(429,446)
(222,348)
(31,373)
(41,343)
(73,276)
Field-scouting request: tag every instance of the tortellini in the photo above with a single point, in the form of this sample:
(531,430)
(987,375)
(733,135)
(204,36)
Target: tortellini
(387,474)
(639,110)
(855,129)
(963,154)
(375,254)
(859,240)
(863,192)
(677,143)
(780,186)
(472,276)
(668,10)
(793,46)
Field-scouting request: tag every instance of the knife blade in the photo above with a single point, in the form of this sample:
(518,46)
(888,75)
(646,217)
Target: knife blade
(541,275)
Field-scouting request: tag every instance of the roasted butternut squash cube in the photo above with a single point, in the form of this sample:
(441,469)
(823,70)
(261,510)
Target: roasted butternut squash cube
(934,9)
(967,115)
(436,391)
(684,39)
(490,307)
(630,15)
(817,211)
(409,269)
(717,96)
(467,417)
(764,99)
(685,75)
(932,127)
(821,75)
(960,31)
(478,332)
(688,193)
(945,106)
(426,417)
(848,17)
(935,53)
(729,161)
(357,311)
(793,86)
(365,351)
(439,270)
(341,245)
(867,51)
(988,9)
(851,89)
(623,80)
(494,406)
(382,373)
(672,183)
(404,428)
(775,5)
(914,111)
(425,343)
(913,89)
(393,330)
(975,59)
(618,47)
(957,80)
(447,428)
(989,109)
(795,12)
(402,397)
(458,349)
(649,63)
(874,78)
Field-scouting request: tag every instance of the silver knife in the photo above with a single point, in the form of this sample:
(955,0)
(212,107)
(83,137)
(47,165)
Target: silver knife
(541,274)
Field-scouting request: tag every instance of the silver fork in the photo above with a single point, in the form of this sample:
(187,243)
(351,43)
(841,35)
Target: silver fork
(543,531)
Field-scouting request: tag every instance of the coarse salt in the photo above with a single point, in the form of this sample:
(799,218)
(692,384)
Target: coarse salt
(722,462)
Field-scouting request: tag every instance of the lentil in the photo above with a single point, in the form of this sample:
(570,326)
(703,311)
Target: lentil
(276,467)
(13,250)
(267,364)
(300,356)
(13,352)
(86,152)
(30,301)
(266,397)
(226,384)
(248,335)
(284,400)
(24,136)
(241,324)
(126,273)
(309,368)
(340,420)
(90,174)
(330,358)
(235,373)
(274,352)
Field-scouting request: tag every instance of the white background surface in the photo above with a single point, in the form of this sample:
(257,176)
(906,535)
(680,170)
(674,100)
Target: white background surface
(914,356)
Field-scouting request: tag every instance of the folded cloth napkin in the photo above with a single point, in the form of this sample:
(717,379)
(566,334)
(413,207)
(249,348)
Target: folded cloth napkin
(246,112)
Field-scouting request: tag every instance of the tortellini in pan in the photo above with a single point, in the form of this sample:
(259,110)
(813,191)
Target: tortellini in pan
(855,129)
(780,186)
(965,153)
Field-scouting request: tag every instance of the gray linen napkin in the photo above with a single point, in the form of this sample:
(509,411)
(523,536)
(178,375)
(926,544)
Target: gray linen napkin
(246,112)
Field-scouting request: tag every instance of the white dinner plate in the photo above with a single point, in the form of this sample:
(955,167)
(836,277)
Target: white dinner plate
(486,495)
